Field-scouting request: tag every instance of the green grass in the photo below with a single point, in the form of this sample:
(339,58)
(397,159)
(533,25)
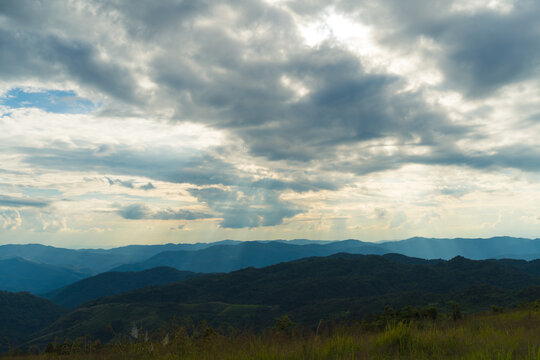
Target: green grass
(497,335)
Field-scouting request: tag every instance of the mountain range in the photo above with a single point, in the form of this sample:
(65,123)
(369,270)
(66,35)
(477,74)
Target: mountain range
(338,287)
(59,267)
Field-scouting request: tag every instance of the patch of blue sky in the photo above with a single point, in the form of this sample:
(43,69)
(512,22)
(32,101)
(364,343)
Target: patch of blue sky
(53,101)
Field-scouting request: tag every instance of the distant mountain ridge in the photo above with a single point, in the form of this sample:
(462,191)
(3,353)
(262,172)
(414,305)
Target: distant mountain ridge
(18,274)
(93,260)
(225,258)
(230,255)
(471,248)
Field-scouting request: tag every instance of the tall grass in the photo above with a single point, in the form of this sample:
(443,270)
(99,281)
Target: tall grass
(507,335)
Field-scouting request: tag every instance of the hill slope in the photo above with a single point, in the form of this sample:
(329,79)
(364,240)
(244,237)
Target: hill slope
(111,283)
(342,286)
(22,314)
(298,283)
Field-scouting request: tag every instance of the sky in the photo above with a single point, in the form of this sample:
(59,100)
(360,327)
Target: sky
(142,122)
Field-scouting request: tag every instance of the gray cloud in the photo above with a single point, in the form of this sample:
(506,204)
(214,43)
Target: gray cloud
(198,168)
(345,104)
(236,83)
(28,50)
(17,202)
(141,211)
(508,157)
(125,183)
(478,51)
(244,207)
(130,184)
(238,73)
(158,163)
(148,186)
(488,50)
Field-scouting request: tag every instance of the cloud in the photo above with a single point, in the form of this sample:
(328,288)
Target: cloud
(163,164)
(297,124)
(17,202)
(141,211)
(485,51)
(125,183)
(345,104)
(135,212)
(10,219)
(479,50)
(246,85)
(247,207)
(130,184)
(148,186)
(224,80)
(30,51)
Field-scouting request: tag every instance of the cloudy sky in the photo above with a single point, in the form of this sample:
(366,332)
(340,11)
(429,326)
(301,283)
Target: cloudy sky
(183,121)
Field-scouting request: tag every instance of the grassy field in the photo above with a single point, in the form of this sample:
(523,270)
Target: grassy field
(497,335)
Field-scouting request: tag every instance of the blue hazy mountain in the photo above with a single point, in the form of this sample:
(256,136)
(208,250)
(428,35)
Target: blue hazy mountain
(491,248)
(229,255)
(112,283)
(225,258)
(19,274)
(94,260)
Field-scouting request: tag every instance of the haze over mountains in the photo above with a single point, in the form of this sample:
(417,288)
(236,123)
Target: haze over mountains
(41,269)
(18,274)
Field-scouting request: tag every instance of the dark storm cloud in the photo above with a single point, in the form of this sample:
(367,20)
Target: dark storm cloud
(28,51)
(478,51)
(10,201)
(227,65)
(243,67)
(141,211)
(345,105)
(484,51)
(150,19)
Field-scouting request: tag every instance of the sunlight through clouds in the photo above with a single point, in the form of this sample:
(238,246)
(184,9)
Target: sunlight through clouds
(184,121)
